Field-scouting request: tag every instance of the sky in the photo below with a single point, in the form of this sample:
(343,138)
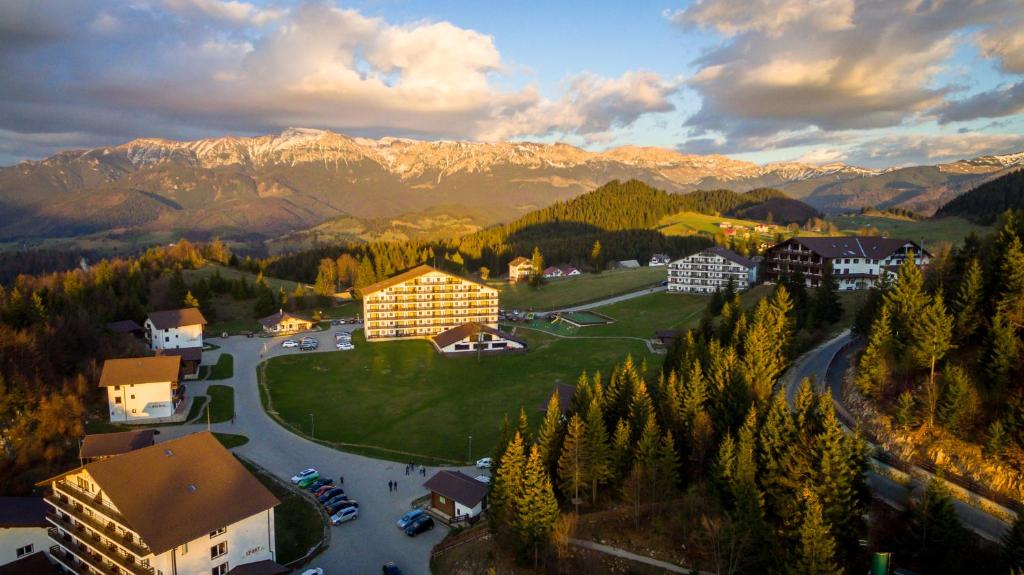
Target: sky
(876,83)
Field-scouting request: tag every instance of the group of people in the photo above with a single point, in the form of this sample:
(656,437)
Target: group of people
(412,468)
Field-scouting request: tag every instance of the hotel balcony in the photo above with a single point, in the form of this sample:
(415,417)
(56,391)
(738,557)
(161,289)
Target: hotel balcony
(77,553)
(131,543)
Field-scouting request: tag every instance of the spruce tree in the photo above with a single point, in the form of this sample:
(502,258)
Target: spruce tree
(838,482)
(957,404)
(906,410)
(572,462)
(1013,545)
(506,495)
(1003,350)
(906,300)
(596,257)
(622,449)
(874,368)
(1011,280)
(936,532)
(967,304)
(667,465)
(523,427)
(641,408)
(826,308)
(550,433)
(816,554)
(995,442)
(537,260)
(598,450)
(537,508)
(932,339)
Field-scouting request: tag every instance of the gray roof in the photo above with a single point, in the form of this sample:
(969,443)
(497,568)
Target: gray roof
(871,247)
(457,486)
(731,256)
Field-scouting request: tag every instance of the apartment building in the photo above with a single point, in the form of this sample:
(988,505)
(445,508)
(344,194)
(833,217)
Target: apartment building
(520,270)
(140,389)
(857,261)
(710,270)
(181,507)
(175,328)
(423,302)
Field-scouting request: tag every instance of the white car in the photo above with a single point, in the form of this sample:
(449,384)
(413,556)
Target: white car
(346,514)
(484,463)
(304,474)
(289,343)
(313,571)
(345,346)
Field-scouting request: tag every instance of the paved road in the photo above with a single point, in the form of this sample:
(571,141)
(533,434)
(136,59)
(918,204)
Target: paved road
(357,547)
(611,300)
(615,551)
(814,364)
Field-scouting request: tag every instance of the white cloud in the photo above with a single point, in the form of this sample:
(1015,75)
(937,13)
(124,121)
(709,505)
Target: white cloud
(231,12)
(821,156)
(771,17)
(910,149)
(1006,42)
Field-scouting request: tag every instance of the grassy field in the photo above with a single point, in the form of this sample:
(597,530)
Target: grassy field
(222,403)
(575,290)
(642,316)
(229,440)
(692,223)
(952,230)
(403,396)
(223,369)
(298,525)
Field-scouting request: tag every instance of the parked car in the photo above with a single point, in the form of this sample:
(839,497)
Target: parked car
(333,492)
(289,343)
(409,517)
(320,491)
(343,346)
(425,523)
(308,346)
(484,463)
(305,483)
(390,568)
(332,509)
(336,322)
(313,571)
(320,483)
(346,514)
(309,472)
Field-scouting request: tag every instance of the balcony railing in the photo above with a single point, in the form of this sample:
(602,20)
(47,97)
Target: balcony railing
(90,544)
(90,500)
(78,559)
(132,544)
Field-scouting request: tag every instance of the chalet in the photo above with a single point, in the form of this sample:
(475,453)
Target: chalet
(476,337)
(175,328)
(710,270)
(180,506)
(857,261)
(141,389)
(191,357)
(423,302)
(23,532)
(552,272)
(455,496)
(569,271)
(520,269)
(283,322)
(658,260)
(98,446)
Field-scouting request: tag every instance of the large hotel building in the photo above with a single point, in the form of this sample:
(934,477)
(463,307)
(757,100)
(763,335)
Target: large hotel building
(423,302)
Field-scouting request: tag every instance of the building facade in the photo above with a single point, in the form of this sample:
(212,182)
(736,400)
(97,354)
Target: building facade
(710,270)
(476,337)
(423,302)
(22,528)
(456,496)
(857,261)
(520,270)
(283,322)
(175,328)
(200,512)
(141,389)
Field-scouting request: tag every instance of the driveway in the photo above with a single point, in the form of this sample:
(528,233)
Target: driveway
(611,300)
(360,546)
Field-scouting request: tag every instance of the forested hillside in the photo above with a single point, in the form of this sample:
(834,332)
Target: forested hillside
(988,201)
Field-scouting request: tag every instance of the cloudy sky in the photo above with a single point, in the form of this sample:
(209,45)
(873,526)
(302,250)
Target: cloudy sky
(868,82)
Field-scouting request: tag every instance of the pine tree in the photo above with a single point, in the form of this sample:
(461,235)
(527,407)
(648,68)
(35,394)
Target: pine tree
(1011,293)
(190,300)
(506,495)
(523,427)
(598,450)
(641,408)
(596,257)
(816,554)
(1013,545)
(838,482)
(932,339)
(906,300)
(622,449)
(572,463)
(967,304)
(826,308)
(537,508)
(874,368)
(906,410)
(550,433)
(667,465)
(936,532)
(995,443)
(298,297)
(957,404)
(365,274)
(1003,350)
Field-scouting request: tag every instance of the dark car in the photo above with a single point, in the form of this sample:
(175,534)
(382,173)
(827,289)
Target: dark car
(390,568)
(320,483)
(425,523)
(339,505)
(331,493)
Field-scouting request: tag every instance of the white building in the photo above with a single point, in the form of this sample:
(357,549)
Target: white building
(856,261)
(710,270)
(476,337)
(520,270)
(175,328)
(181,507)
(141,389)
(22,528)
(456,496)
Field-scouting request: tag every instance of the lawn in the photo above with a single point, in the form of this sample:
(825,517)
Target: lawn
(223,369)
(403,396)
(952,229)
(229,440)
(222,403)
(558,293)
(642,316)
(298,525)
(693,223)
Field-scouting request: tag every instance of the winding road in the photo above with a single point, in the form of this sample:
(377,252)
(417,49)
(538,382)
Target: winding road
(359,546)
(815,365)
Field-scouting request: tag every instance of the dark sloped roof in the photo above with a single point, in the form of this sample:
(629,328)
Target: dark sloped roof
(871,247)
(457,486)
(33,564)
(731,256)
(518,261)
(124,326)
(177,318)
(108,444)
(193,486)
(185,353)
(460,332)
(139,370)
(565,394)
(279,316)
(22,512)
(265,567)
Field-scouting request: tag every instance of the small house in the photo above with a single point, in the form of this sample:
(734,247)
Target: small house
(568,271)
(23,532)
(283,322)
(455,496)
(476,337)
(552,272)
(174,328)
(520,269)
(141,389)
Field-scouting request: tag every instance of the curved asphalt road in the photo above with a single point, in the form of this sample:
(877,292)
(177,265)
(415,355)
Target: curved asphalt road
(814,365)
(359,546)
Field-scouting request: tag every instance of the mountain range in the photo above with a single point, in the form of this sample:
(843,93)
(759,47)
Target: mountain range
(306,179)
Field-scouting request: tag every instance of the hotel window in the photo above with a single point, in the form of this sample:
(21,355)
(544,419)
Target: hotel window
(221,569)
(218,549)
(217,532)
(26,550)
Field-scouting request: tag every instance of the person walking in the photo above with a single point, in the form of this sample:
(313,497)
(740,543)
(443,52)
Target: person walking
(341,480)
(390,486)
